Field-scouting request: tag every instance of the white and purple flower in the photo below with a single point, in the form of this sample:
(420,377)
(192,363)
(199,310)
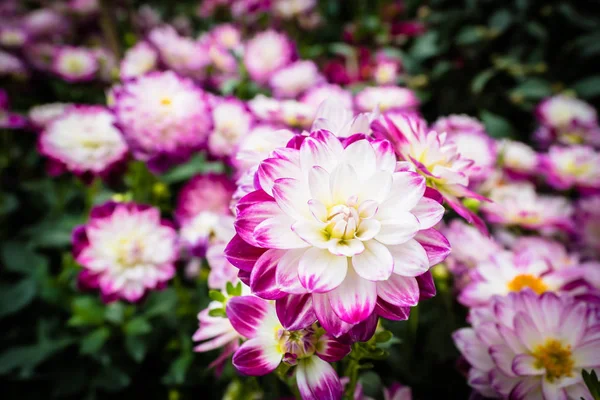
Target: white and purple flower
(294,79)
(232,121)
(75,64)
(386,98)
(266,53)
(138,60)
(572,166)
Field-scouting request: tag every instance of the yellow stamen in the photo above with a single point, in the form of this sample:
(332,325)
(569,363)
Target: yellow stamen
(523,281)
(555,358)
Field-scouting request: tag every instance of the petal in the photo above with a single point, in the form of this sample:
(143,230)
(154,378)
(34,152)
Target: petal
(399,290)
(327,318)
(331,350)
(361,156)
(574,320)
(375,263)
(287,272)
(503,358)
(312,232)
(402,228)
(241,254)
(320,271)
(386,159)
(342,183)
(253,209)
(257,357)
(587,355)
(272,169)
(524,364)
(368,229)
(426,286)
(435,244)
(346,248)
(263,280)
(277,233)
(368,209)
(318,210)
(247,314)
(315,152)
(376,187)
(406,192)
(295,311)
(292,197)
(354,300)
(527,332)
(318,183)
(317,380)
(410,258)
(391,311)
(363,331)
(552,391)
(429,212)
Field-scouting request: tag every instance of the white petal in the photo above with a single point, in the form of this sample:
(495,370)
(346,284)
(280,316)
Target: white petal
(410,258)
(320,271)
(398,230)
(375,263)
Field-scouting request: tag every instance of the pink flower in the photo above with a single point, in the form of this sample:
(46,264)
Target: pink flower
(84,7)
(397,392)
(41,115)
(138,60)
(332,117)
(231,123)
(386,69)
(294,79)
(288,9)
(164,117)
(317,95)
(227,36)
(587,218)
(84,140)
(126,250)
(386,98)
(525,346)
(309,349)
(266,53)
(75,64)
(11,65)
(518,159)
(566,167)
(258,144)
(340,224)
(45,22)
(13,37)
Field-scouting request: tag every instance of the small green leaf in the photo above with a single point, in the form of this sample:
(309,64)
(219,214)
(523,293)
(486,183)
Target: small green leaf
(196,165)
(481,79)
(588,88)
(136,347)
(383,336)
(496,126)
(137,326)
(112,379)
(592,383)
(500,20)
(426,46)
(470,35)
(94,341)
(217,312)
(17,257)
(14,297)
(534,88)
(229,288)
(216,295)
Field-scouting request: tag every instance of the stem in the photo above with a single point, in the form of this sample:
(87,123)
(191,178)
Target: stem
(352,373)
(414,322)
(109,27)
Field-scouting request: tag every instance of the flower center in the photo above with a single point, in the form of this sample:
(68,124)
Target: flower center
(555,358)
(130,252)
(343,220)
(296,344)
(75,65)
(166,101)
(523,281)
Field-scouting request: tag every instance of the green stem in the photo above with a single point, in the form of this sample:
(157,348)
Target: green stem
(109,27)
(351,372)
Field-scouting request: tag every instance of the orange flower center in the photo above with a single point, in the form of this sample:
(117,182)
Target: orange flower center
(523,281)
(555,358)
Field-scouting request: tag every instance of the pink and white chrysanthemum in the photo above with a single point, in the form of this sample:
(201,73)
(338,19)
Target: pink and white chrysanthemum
(84,7)
(138,60)
(75,64)
(231,123)
(11,65)
(309,349)
(507,272)
(434,156)
(518,159)
(227,36)
(288,9)
(266,53)
(83,140)
(126,250)
(13,37)
(397,391)
(518,204)
(525,346)
(340,224)
(587,218)
(164,117)
(386,98)
(472,142)
(572,166)
(183,55)
(332,117)
(45,22)
(294,79)
(552,252)
(386,69)
(318,94)
(258,144)
(41,115)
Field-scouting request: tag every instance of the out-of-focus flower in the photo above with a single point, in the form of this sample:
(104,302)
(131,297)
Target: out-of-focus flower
(567,120)
(317,95)
(572,166)
(164,117)
(342,226)
(294,79)
(227,36)
(333,117)
(408,28)
(587,219)
(13,36)
(11,65)
(75,64)
(295,114)
(138,60)
(84,7)
(310,349)
(552,252)
(146,18)
(288,9)
(231,123)
(386,98)
(386,69)
(45,22)
(126,250)
(9,120)
(266,53)
(525,346)
(397,392)
(258,144)
(518,159)
(83,140)
(507,272)
(518,204)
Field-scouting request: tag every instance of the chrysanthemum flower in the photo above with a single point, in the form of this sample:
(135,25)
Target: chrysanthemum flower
(45,22)
(258,144)
(332,117)
(288,9)
(386,69)
(309,349)
(572,166)
(126,250)
(83,140)
(231,123)
(266,53)
(164,117)
(397,392)
(41,115)
(344,224)
(525,346)
(386,98)
(318,94)
(13,36)
(181,54)
(11,65)
(552,252)
(587,217)
(294,79)
(84,7)
(138,60)
(518,159)
(434,156)
(75,64)
(227,36)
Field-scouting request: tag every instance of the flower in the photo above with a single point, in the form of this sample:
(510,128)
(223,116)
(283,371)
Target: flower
(294,79)
(84,7)
(13,36)
(231,123)
(227,36)
(126,250)
(318,94)
(181,54)
(344,225)
(266,53)
(41,115)
(11,65)
(75,64)
(288,9)
(397,392)
(518,159)
(164,117)
(258,144)
(386,98)
(576,165)
(333,117)
(386,69)
(525,346)
(138,60)
(83,140)
(309,349)
(45,22)
(587,217)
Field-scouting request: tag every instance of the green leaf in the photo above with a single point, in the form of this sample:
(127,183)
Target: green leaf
(588,87)
(426,46)
(178,370)
(470,35)
(343,49)
(17,257)
(217,312)
(196,165)
(137,326)
(160,303)
(592,383)
(229,288)
(216,295)
(87,311)
(496,126)
(112,379)
(16,296)
(534,88)
(26,358)
(115,313)
(500,20)
(136,347)
(481,79)
(94,341)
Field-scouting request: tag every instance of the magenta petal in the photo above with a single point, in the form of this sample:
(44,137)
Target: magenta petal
(247,313)
(426,286)
(330,349)
(327,318)
(435,244)
(241,254)
(317,380)
(263,280)
(362,332)
(354,300)
(253,209)
(257,357)
(399,290)
(390,311)
(295,311)
(467,214)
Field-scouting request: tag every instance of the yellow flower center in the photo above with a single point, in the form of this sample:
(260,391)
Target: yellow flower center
(523,281)
(555,358)
(75,65)
(576,169)
(165,101)
(130,252)
(343,221)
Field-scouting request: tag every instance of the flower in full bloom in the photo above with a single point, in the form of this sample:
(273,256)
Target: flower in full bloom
(258,144)
(164,117)
(318,94)
(344,225)
(309,349)
(566,167)
(332,117)
(567,120)
(294,79)
(386,69)
(525,346)
(266,53)
(75,64)
(41,115)
(288,9)
(45,22)
(397,392)
(181,54)
(83,140)
(126,250)
(84,7)
(138,60)
(386,98)
(231,123)
(518,159)
(11,65)
(13,36)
